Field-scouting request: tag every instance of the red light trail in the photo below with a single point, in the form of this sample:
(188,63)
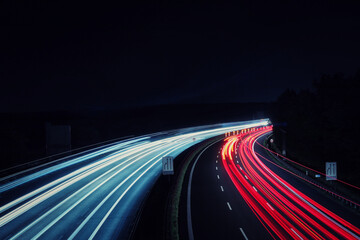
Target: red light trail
(282,209)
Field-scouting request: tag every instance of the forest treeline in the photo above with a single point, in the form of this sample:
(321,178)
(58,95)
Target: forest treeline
(322,124)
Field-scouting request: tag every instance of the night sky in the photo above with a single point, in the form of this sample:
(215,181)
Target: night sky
(85,56)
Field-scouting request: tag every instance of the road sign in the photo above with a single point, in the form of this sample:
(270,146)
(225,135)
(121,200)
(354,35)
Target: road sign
(168,165)
(331,171)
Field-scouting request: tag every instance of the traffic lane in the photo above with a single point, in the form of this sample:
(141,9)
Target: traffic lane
(99,173)
(112,222)
(32,182)
(79,199)
(218,210)
(31,178)
(62,166)
(266,197)
(103,215)
(308,189)
(251,192)
(322,221)
(181,139)
(94,198)
(78,176)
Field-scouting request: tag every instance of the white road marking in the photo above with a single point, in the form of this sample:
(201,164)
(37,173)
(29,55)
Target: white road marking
(245,176)
(222,189)
(243,233)
(229,205)
(127,189)
(254,188)
(216,168)
(218,177)
(270,206)
(312,206)
(74,205)
(296,233)
(59,204)
(188,210)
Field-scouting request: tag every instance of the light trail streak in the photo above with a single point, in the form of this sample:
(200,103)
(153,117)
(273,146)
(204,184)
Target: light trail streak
(311,169)
(293,214)
(102,202)
(127,189)
(72,179)
(45,209)
(51,169)
(136,157)
(307,180)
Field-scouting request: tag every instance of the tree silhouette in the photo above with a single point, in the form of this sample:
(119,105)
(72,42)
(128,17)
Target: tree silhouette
(323,124)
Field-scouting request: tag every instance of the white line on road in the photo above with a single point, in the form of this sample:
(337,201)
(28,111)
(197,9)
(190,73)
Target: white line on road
(254,188)
(189,221)
(216,168)
(296,233)
(218,177)
(243,233)
(85,196)
(229,205)
(172,149)
(222,189)
(270,206)
(245,176)
(44,196)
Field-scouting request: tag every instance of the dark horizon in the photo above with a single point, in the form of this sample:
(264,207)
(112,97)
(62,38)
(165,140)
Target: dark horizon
(59,56)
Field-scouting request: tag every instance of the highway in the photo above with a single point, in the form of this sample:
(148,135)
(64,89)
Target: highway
(95,195)
(237,193)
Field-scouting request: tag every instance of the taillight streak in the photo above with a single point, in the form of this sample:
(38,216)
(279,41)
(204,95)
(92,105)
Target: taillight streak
(273,200)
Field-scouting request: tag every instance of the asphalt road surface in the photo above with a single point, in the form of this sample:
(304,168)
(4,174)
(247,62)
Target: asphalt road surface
(237,194)
(94,195)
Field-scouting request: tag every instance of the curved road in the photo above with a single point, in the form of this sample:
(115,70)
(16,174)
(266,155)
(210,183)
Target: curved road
(95,195)
(236,194)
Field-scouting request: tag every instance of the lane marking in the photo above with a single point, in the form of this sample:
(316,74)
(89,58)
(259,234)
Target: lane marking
(76,157)
(218,177)
(296,234)
(189,221)
(216,168)
(229,205)
(311,205)
(222,189)
(246,177)
(52,188)
(79,190)
(216,161)
(173,149)
(254,188)
(270,206)
(243,233)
